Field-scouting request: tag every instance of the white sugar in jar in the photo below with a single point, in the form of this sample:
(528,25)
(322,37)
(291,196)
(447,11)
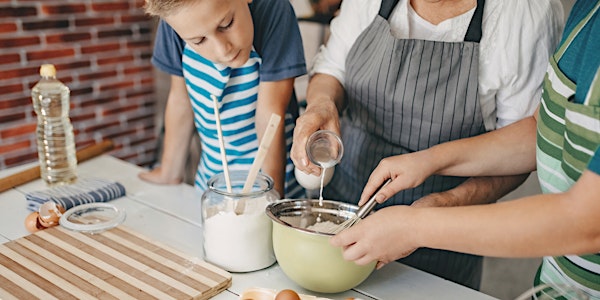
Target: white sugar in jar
(237,232)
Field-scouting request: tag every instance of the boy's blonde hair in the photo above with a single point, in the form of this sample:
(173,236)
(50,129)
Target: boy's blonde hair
(163,8)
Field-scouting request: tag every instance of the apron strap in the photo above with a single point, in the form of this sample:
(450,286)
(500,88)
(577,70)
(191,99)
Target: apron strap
(559,53)
(474,31)
(386,8)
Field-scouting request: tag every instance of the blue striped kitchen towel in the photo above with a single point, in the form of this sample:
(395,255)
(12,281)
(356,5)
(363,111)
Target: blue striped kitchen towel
(85,190)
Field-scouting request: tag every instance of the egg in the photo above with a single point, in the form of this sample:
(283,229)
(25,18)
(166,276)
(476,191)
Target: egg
(32,223)
(287,295)
(50,213)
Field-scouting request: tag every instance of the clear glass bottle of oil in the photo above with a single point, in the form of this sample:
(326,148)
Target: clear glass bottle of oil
(55,138)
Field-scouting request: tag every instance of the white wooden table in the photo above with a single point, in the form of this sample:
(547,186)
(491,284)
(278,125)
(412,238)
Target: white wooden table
(171,215)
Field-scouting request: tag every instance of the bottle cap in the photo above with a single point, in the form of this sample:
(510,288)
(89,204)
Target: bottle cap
(47,70)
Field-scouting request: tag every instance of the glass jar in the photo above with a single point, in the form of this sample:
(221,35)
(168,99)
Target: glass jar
(237,231)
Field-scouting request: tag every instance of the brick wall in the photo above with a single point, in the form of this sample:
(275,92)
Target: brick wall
(102,50)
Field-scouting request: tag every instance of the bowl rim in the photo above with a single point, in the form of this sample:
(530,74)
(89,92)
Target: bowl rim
(271,215)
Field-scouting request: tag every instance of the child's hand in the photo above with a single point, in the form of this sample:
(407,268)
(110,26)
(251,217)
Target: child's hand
(158,176)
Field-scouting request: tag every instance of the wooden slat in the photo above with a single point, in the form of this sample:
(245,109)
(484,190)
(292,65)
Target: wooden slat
(117,264)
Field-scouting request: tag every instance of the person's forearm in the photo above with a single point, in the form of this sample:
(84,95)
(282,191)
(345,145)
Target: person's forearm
(488,154)
(476,190)
(274,98)
(325,88)
(518,228)
(179,127)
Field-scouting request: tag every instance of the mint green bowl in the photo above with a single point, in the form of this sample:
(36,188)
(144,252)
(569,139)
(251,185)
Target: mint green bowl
(306,256)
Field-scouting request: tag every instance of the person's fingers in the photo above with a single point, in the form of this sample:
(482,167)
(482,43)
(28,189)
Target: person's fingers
(375,181)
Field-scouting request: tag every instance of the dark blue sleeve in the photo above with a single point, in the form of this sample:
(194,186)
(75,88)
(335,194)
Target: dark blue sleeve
(168,50)
(277,40)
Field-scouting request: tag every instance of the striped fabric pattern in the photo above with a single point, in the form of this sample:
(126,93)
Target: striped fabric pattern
(85,190)
(567,138)
(237,93)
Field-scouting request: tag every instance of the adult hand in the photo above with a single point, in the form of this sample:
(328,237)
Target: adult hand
(318,115)
(383,236)
(406,171)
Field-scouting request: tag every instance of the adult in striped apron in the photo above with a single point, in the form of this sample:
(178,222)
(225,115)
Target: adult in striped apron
(408,95)
(568,136)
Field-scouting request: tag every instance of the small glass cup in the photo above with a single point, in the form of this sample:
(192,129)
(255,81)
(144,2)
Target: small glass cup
(324,148)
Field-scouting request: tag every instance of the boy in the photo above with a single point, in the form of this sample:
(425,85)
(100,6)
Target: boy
(246,53)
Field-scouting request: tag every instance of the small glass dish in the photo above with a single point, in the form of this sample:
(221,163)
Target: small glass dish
(92,218)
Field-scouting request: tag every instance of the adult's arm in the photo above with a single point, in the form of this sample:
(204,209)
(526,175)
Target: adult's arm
(324,102)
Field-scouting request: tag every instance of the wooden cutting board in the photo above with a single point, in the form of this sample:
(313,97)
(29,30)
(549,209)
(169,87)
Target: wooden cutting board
(57,263)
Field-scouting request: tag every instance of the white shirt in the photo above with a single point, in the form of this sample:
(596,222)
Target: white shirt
(518,38)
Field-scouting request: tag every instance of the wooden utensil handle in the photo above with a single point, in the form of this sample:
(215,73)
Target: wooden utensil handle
(33,173)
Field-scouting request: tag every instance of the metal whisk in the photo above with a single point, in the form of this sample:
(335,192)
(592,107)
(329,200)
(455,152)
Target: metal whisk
(362,212)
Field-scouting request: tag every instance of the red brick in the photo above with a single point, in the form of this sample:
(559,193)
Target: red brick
(143,118)
(49,54)
(22,145)
(15,102)
(144,30)
(15,12)
(115,33)
(99,127)
(73,65)
(68,37)
(135,18)
(120,110)
(132,94)
(21,159)
(100,48)
(115,60)
(135,70)
(25,129)
(97,101)
(82,117)
(8,27)
(19,41)
(12,117)
(116,86)
(63,9)
(124,133)
(140,3)
(81,90)
(139,44)
(97,75)
(110,6)
(17,73)
(46,24)
(11,88)
(147,81)
(9,58)
(94,21)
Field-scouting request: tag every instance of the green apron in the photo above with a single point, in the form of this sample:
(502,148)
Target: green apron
(567,137)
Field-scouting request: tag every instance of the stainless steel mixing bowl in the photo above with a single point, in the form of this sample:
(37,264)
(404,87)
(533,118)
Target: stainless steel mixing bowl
(305,255)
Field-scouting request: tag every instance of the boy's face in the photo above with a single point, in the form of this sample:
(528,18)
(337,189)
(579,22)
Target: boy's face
(219,30)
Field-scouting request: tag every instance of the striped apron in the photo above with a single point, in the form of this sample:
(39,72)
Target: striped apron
(237,92)
(567,137)
(406,95)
